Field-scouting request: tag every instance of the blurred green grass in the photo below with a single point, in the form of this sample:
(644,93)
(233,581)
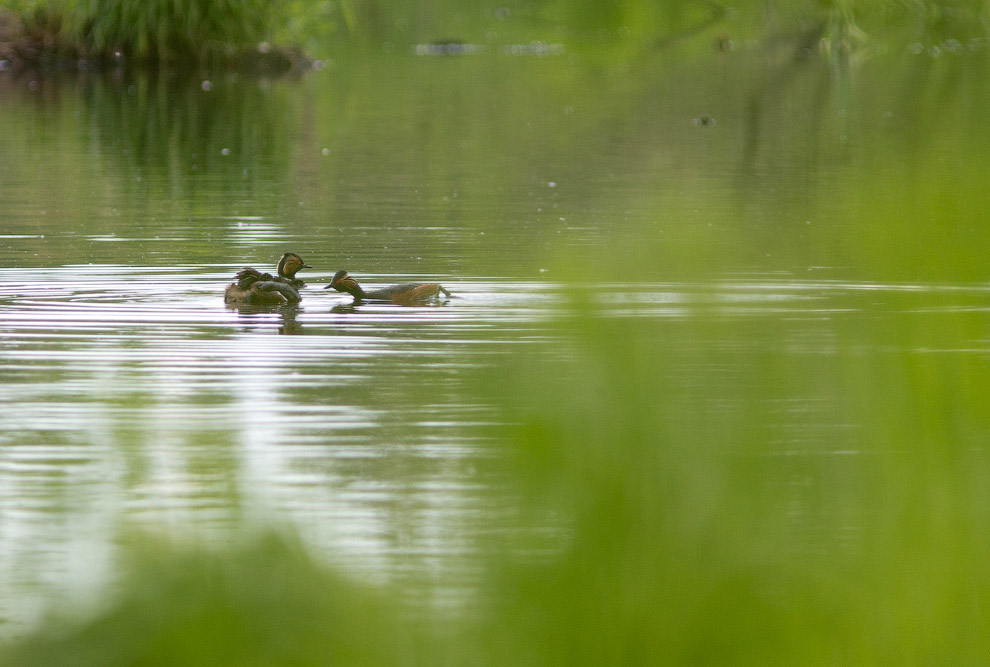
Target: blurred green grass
(735,502)
(690,490)
(263,603)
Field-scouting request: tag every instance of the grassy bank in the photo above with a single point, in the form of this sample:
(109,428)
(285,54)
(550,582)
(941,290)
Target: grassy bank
(61,33)
(225,32)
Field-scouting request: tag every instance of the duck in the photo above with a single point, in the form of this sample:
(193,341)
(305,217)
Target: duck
(260,289)
(405,294)
(256,288)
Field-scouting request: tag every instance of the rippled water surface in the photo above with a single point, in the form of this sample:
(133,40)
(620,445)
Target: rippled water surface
(131,395)
(135,394)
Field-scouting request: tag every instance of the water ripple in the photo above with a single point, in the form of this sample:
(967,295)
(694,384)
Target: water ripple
(135,395)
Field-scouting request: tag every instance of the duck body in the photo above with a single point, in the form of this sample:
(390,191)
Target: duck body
(260,289)
(264,289)
(404,294)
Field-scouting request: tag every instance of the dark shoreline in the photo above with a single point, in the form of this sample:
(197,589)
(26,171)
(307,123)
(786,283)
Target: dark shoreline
(27,48)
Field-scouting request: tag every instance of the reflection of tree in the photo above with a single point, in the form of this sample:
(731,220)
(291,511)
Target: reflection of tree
(290,326)
(154,156)
(387,162)
(171,126)
(255,318)
(799,51)
(699,25)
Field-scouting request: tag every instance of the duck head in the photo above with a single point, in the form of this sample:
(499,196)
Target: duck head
(290,264)
(342,282)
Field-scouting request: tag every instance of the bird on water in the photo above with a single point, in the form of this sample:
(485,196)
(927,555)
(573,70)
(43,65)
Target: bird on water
(404,294)
(264,289)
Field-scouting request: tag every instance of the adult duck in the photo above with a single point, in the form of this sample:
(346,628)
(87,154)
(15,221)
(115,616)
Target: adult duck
(288,266)
(256,288)
(406,294)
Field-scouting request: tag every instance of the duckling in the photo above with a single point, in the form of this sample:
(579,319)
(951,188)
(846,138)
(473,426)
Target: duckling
(406,294)
(259,289)
(254,287)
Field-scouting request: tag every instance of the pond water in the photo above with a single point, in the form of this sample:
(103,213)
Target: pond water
(821,211)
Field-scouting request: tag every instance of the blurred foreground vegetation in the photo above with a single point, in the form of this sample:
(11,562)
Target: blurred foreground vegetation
(690,491)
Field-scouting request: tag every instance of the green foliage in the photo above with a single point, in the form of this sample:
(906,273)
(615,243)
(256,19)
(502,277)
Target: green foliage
(161,30)
(209,30)
(700,531)
(169,29)
(264,603)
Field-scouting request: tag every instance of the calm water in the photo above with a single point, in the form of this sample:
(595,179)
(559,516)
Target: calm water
(131,395)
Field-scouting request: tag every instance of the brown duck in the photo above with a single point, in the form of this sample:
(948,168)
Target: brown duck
(406,294)
(264,289)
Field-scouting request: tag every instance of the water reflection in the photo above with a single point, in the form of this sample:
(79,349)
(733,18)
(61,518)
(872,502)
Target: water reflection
(252,317)
(136,396)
